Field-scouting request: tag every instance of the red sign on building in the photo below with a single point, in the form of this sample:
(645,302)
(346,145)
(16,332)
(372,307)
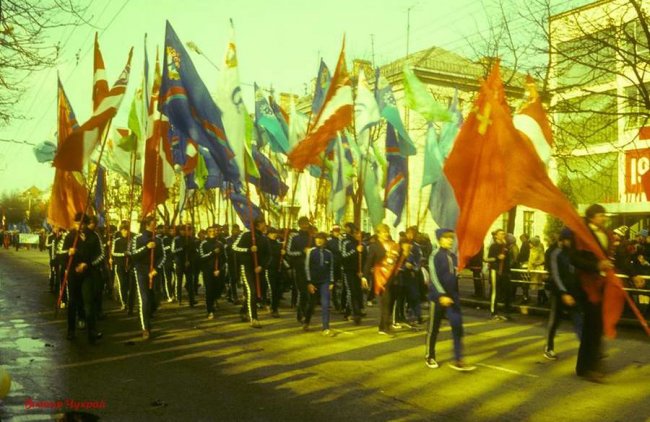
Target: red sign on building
(637,163)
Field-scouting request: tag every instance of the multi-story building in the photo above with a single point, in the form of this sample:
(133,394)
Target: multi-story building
(599,83)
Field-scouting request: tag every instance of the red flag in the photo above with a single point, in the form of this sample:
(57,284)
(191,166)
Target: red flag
(492,169)
(78,146)
(334,116)
(158,173)
(100,84)
(69,195)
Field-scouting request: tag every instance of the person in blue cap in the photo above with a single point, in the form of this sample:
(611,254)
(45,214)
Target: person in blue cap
(444,299)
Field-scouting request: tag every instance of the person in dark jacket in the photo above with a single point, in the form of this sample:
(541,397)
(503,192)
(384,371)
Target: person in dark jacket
(445,300)
(499,258)
(184,247)
(566,293)
(253,257)
(273,272)
(590,269)
(297,247)
(319,269)
(148,270)
(87,254)
(213,264)
(125,280)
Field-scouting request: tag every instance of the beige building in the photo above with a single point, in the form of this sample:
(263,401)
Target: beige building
(599,65)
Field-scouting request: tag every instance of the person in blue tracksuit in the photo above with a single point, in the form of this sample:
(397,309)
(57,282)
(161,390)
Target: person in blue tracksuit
(444,299)
(319,269)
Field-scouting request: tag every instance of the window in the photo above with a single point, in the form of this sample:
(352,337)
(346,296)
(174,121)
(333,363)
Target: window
(529,223)
(505,219)
(588,60)
(588,120)
(636,112)
(593,178)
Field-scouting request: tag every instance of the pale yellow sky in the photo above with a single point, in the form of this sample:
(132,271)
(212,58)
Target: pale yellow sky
(279,44)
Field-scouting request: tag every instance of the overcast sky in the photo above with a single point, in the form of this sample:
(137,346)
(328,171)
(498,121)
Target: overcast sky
(279,43)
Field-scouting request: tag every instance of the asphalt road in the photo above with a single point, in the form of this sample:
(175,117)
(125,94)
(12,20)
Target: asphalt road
(194,369)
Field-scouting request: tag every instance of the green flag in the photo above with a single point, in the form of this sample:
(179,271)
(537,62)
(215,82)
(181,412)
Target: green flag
(417,98)
(200,172)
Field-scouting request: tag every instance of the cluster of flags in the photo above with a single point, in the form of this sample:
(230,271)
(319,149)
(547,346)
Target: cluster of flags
(478,167)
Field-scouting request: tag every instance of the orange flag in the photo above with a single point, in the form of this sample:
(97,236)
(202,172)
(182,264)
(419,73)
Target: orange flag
(334,116)
(493,168)
(69,195)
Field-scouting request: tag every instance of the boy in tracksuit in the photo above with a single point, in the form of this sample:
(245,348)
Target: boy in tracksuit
(566,292)
(319,269)
(444,299)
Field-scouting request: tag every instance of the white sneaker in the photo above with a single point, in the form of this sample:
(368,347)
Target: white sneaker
(211,315)
(81,324)
(431,363)
(369,304)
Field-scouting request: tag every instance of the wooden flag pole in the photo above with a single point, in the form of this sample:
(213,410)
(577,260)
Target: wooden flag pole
(66,274)
(258,287)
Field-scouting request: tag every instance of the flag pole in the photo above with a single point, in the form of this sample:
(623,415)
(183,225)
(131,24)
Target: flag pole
(258,287)
(288,223)
(87,206)
(155,204)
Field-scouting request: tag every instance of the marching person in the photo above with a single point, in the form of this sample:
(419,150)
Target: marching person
(319,268)
(351,249)
(86,255)
(445,301)
(297,248)
(566,293)
(125,281)
(233,267)
(273,272)
(213,265)
(384,258)
(184,248)
(249,272)
(499,260)
(146,273)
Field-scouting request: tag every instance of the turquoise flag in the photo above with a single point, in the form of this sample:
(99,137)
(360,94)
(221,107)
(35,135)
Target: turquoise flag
(388,110)
(267,121)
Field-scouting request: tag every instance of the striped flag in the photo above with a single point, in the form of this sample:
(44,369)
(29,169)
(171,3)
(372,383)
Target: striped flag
(158,173)
(100,84)
(334,116)
(532,123)
(76,149)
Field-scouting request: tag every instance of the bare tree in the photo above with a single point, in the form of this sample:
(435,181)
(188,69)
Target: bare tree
(24,45)
(591,59)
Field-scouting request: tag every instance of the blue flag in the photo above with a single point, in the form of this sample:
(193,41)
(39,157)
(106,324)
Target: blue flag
(388,109)
(266,120)
(322,84)
(396,179)
(241,206)
(269,181)
(185,100)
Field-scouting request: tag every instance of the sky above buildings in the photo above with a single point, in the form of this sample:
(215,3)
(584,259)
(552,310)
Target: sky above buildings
(279,44)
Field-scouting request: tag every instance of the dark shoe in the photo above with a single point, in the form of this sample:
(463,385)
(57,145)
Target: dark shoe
(70,335)
(461,366)
(357,320)
(593,376)
(275,314)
